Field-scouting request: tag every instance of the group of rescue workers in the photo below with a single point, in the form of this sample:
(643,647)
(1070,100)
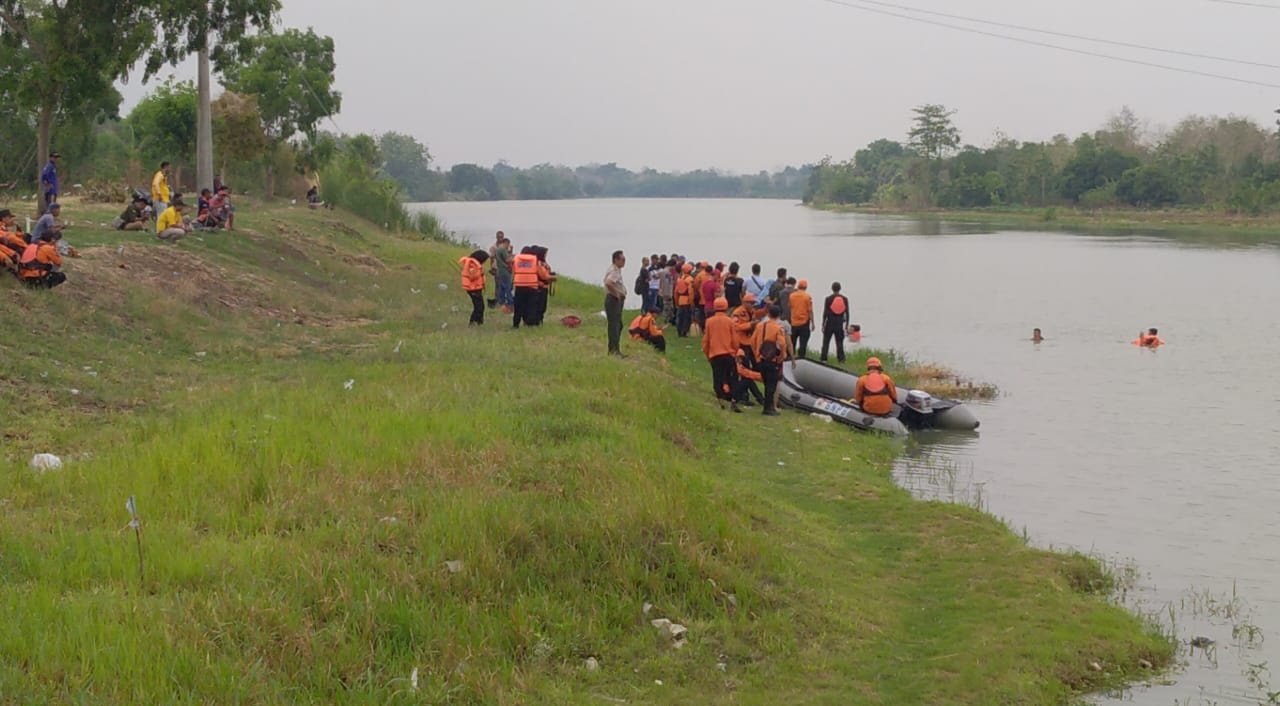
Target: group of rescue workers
(523,281)
(750,327)
(32,257)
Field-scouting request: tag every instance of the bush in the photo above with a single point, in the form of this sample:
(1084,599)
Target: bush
(347,182)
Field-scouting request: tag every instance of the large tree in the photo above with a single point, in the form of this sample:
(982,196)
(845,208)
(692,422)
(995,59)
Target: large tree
(62,58)
(932,134)
(291,73)
(407,161)
(164,123)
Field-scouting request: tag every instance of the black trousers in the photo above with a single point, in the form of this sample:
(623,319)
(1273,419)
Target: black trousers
(800,339)
(828,334)
(724,371)
(659,342)
(540,307)
(526,300)
(477,306)
(684,319)
(771,372)
(49,281)
(613,312)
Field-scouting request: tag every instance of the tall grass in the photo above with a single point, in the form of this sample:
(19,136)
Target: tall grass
(347,183)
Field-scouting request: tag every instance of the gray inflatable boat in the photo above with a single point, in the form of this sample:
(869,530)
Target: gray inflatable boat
(817,388)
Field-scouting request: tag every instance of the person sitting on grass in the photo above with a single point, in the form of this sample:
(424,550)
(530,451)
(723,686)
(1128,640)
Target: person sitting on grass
(11,243)
(40,263)
(48,223)
(204,217)
(170,226)
(313,199)
(134,217)
(221,209)
(645,328)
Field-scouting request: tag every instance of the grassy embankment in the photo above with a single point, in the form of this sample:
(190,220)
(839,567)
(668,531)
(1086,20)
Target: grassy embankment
(300,537)
(1193,224)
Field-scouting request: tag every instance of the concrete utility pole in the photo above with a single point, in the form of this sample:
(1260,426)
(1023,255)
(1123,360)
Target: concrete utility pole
(204,126)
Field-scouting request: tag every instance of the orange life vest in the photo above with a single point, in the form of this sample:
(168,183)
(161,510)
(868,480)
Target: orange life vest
(684,293)
(837,306)
(875,384)
(31,266)
(544,275)
(472,274)
(1149,341)
(524,271)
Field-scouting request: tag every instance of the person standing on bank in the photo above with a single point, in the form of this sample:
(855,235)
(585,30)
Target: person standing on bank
(473,283)
(49,183)
(615,293)
(801,311)
(771,348)
(524,278)
(718,344)
(160,196)
(835,319)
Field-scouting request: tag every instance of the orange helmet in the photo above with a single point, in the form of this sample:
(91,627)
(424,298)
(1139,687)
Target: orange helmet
(873,362)
(687,268)
(721,304)
(748,298)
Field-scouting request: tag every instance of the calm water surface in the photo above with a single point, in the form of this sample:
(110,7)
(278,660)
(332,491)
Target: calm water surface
(1161,460)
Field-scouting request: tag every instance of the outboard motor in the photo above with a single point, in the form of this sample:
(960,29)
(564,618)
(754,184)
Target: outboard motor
(917,413)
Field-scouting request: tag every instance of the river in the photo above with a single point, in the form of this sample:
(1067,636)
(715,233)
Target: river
(1160,461)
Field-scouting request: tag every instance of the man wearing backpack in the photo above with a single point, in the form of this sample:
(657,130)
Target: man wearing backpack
(835,319)
(772,348)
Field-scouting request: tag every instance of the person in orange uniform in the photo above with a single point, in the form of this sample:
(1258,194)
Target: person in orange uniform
(524,277)
(11,241)
(771,348)
(747,388)
(743,321)
(39,263)
(645,328)
(684,300)
(545,279)
(875,391)
(473,283)
(1150,339)
(801,307)
(718,345)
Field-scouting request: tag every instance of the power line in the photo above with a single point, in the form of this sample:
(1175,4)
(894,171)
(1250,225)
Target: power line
(1059,47)
(1247,4)
(1068,35)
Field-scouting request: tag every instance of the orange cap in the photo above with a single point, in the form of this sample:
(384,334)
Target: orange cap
(721,304)
(873,362)
(687,268)
(803,284)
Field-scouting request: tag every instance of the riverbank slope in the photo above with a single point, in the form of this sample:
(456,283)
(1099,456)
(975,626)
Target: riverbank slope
(347,495)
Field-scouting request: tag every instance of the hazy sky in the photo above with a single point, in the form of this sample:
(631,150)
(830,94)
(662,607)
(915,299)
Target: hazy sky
(756,84)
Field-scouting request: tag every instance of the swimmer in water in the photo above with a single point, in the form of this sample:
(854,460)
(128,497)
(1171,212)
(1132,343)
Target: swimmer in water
(1150,339)
(1035,335)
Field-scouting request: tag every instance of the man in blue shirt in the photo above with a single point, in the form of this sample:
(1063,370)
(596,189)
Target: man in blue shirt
(47,224)
(49,182)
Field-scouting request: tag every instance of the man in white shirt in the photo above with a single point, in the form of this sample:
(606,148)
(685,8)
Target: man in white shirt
(615,293)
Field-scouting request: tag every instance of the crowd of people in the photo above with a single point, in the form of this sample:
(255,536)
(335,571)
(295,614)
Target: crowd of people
(36,258)
(750,326)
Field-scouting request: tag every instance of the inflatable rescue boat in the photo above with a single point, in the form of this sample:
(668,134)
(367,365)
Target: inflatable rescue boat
(818,388)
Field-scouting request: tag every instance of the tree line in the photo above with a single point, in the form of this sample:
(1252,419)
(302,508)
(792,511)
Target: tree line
(1229,164)
(409,163)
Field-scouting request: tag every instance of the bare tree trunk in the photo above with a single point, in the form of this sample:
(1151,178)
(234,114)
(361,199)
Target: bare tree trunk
(44,131)
(204,127)
(271,180)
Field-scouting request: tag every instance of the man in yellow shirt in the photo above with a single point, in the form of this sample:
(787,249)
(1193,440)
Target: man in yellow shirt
(170,226)
(160,188)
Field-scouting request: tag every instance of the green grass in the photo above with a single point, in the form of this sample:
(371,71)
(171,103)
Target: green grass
(296,532)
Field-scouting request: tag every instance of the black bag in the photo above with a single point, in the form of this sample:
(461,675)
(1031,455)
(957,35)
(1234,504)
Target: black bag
(642,283)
